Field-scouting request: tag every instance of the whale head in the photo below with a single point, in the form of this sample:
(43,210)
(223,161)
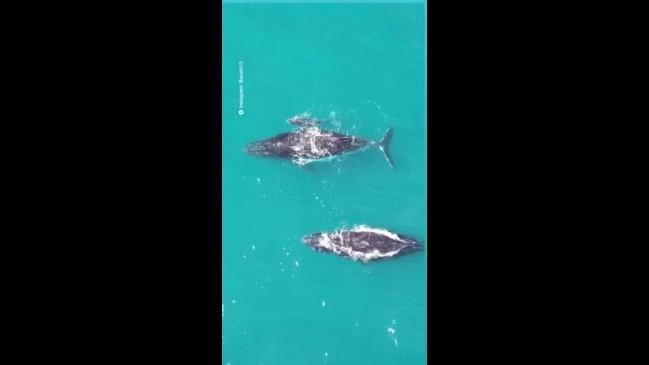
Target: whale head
(312,240)
(260,149)
(277,146)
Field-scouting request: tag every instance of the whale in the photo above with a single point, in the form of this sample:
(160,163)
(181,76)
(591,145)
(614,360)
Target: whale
(310,143)
(362,243)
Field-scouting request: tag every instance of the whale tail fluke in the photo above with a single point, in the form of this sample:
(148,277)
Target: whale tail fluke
(384,146)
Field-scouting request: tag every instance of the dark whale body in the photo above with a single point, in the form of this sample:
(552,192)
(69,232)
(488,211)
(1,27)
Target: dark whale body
(310,143)
(363,243)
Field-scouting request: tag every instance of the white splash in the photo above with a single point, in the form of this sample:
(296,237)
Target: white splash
(307,150)
(393,333)
(297,118)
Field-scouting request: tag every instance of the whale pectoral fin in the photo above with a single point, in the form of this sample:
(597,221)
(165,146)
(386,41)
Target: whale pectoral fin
(304,165)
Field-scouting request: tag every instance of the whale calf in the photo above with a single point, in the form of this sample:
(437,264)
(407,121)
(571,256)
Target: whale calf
(362,243)
(303,121)
(309,143)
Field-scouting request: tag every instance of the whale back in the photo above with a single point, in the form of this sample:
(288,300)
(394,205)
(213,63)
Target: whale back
(362,243)
(315,143)
(307,144)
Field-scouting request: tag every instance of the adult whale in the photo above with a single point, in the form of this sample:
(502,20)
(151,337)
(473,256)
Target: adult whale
(310,143)
(362,243)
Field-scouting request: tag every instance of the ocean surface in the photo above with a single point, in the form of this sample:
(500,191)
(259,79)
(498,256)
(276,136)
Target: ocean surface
(362,67)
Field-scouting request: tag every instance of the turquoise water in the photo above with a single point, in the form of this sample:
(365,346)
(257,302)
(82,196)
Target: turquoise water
(363,67)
